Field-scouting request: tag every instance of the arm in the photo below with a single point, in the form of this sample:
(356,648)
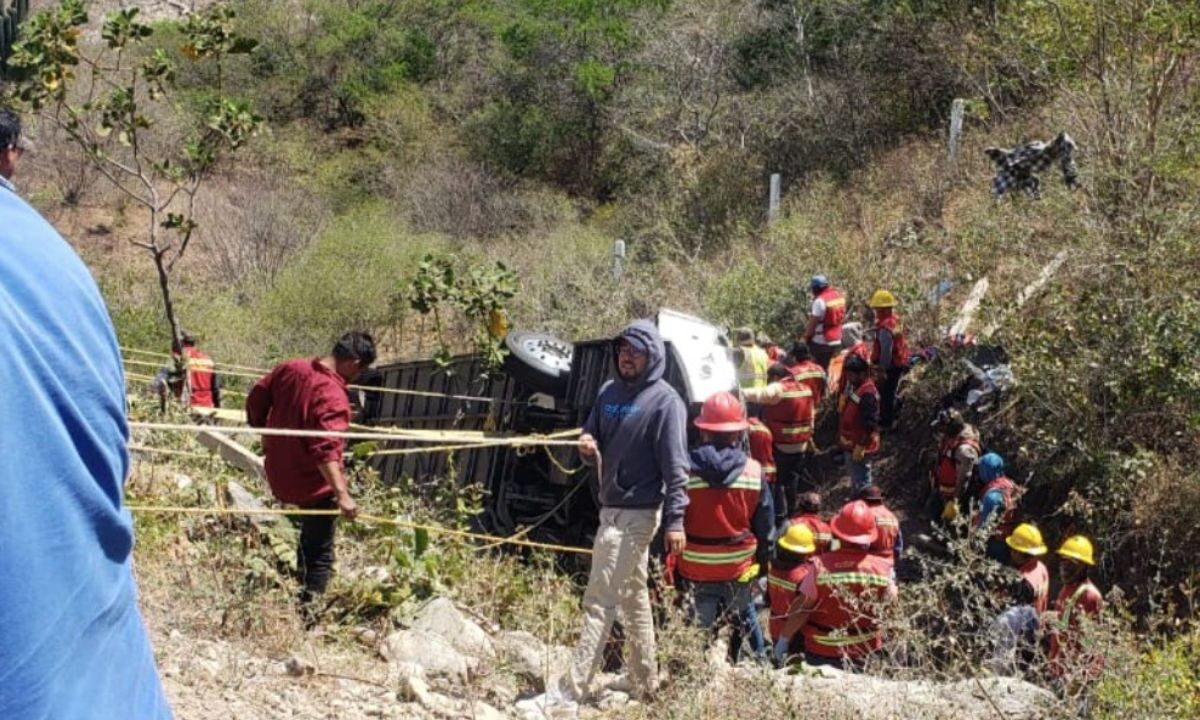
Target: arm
(588,445)
(772,394)
(332,472)
(899,549)
(868,406)
(885,350)
(802,606)
(673,464)
(991,503)
(965,458)
(258,402)
(815,316)
(763,526)
(216,390)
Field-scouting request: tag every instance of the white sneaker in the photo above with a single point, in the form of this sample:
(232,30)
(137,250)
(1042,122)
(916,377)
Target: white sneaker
(550,705)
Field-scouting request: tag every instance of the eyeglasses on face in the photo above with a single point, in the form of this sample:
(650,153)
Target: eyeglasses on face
(629,351)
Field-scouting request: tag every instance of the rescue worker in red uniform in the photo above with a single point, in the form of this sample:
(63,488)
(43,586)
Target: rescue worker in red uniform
(774,352)
(788,411)
(838,605)
(806,372)
(998,506)
(1079,602)
(808,512)
(889,354)
(728,524)
(791,566)
(889,544)
(852,344)
(823,332)
(194,371)
(958,454)
(858,421)
(762,449)
(1025,546)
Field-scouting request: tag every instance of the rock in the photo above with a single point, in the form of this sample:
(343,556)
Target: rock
(440,617)
(429,651)
(182,482)
(872,698)
(298,668)
(526,656)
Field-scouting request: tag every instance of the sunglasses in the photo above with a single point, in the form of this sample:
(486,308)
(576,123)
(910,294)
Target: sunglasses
(630,351)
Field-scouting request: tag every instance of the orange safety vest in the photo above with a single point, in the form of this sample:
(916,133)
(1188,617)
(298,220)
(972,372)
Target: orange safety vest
(1064,632)
(200,377)
(850,584)
(851,433)
(1035,573)
(720,543)
(830,326)
(762,448)
(899,346)
(884,546)
(791,419)
(810,375)
(822,534)
(835,365)
(946,470)
(782,584)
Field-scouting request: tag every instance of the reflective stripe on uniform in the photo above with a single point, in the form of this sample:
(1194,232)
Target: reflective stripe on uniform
(781,583)
(1071,601)
(850,578)
(718,558)
(745,482)
(797,430)
(845,640)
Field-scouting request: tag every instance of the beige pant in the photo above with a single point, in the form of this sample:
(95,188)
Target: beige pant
(617,581)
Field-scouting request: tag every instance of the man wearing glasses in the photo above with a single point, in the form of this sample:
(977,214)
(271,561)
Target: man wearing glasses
(636,435)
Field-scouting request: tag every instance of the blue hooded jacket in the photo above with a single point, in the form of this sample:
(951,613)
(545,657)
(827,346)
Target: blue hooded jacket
(641,428)
(72,643)
(991,466)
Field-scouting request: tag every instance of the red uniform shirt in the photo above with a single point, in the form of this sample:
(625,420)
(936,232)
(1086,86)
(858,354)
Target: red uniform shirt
(1074,601)
(300,395)
(1034,572)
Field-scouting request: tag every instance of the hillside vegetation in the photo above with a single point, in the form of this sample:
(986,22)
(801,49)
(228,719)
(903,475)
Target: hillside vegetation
(536,132)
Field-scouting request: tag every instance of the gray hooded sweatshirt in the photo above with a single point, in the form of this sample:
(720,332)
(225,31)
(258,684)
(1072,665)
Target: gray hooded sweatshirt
(641,428)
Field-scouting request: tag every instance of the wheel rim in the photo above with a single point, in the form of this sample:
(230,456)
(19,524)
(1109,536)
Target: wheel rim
(551,353)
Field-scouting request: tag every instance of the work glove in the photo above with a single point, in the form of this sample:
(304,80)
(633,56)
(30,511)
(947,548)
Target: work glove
(749,574)
(859,453)
(781,651)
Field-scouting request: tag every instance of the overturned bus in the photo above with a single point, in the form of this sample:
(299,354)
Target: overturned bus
(546,386)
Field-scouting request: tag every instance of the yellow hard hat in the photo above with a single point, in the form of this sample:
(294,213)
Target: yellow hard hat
(799,539)
(950,511)
(882,299)
(1077,547)
(1026,538)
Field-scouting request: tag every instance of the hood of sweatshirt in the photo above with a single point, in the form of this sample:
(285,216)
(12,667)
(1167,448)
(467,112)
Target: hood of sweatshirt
(642,334)
(718,466)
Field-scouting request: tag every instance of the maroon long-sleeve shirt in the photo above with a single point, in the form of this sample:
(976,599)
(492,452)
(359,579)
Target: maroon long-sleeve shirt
(300,395)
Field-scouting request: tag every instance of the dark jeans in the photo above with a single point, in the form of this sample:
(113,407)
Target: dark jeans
(822,354)
(791,478)
(728,603)
(314,555)
(887,396)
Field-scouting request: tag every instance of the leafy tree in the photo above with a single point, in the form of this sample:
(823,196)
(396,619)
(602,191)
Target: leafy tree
(117,103)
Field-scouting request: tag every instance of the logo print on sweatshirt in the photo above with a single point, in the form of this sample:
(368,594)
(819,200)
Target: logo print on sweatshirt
(621,411)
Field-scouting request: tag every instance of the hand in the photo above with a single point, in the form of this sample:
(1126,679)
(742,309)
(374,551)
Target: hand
(675,541)
(587,447)
(859,453)
(347,506)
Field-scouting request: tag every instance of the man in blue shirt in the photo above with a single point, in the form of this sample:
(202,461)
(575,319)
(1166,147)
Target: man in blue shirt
(12,146)
(72,642)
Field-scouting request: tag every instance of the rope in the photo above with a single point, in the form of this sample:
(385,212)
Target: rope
(259,372)
(283,432)
(373,519)
(165,451)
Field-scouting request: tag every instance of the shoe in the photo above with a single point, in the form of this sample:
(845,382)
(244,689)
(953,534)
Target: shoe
(550,705)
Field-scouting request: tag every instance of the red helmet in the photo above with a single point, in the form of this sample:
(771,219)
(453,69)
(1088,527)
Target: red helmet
(855,524)
(722,413)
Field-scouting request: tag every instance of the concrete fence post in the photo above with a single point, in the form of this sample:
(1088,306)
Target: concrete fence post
(773,200)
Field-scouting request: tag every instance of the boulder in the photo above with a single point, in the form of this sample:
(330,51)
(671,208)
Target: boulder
(429,651)
(440,617)
(529,658)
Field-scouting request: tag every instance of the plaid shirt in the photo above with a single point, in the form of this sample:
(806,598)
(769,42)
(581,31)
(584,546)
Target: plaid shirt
(1018,168)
